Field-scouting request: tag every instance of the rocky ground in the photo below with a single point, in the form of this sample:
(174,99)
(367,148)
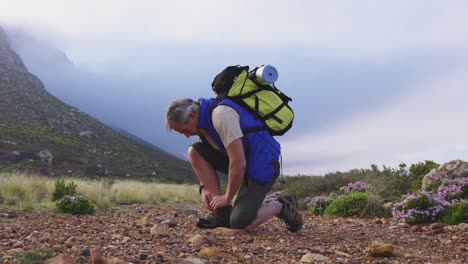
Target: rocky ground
(138,234)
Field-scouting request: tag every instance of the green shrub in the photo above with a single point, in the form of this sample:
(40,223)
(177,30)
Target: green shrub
(348,205)
(374,208)
(36,256)
(74,205)
(456,213)
(62,189)
(305,186)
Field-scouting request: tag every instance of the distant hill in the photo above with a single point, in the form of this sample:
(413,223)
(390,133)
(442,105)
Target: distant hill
(40,133)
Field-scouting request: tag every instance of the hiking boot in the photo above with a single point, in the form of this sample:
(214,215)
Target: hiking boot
(290,213)
(219,218)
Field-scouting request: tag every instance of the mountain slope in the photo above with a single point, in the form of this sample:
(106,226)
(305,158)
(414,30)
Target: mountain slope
(40,133)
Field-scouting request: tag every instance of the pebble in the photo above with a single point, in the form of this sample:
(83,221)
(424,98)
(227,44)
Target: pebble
(15,251)
(58,248)
(313,258)
(18,244)
(85,252)
(170,222)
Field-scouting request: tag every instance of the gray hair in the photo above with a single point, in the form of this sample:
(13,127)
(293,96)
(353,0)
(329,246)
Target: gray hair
(178,111)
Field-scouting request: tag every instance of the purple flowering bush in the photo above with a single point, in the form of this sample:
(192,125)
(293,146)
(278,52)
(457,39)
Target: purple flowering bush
(272,196)
(358,186)
(421,208)
(430,206)
(318,204)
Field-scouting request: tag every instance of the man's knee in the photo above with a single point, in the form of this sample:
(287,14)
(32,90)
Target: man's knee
(241,220)
(193,155)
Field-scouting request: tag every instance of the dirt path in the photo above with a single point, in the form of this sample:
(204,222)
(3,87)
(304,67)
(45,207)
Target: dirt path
(120,236)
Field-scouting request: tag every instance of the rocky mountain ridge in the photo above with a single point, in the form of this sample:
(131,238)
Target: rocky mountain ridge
(40,133)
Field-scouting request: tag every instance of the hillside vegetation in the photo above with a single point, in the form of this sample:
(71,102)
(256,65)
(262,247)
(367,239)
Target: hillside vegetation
(35,192)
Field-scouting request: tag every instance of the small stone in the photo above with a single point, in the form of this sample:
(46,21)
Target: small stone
(75,250)
(404,225)
(15,251)
(18,244)
(247,257)
(435,226)
(416,228)
(314,258)
(133,260)
(229,231)
(170,222)
(115,261)
(187,209)
(463,227)
(189,260)
(195,240)
(85,252)
(160,230)
(211,252)
(58,248)
(340,253)
(70,242)
(461,248)
(144,221)
(380,249)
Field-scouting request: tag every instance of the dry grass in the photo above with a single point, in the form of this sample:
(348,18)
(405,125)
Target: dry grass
(32,191)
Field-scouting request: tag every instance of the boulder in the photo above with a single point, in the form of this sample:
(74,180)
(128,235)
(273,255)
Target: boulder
(452,169)
(46,156)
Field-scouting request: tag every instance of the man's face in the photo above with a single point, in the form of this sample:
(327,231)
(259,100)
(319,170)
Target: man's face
(189,128)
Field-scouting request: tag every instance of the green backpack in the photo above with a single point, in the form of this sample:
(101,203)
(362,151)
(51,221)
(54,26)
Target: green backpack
(265,101)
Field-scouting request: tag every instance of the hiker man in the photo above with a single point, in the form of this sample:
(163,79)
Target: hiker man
(232,142)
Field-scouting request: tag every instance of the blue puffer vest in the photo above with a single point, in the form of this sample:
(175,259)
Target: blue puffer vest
(261,149)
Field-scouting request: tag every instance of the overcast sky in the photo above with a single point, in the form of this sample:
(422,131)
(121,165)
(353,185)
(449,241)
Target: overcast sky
(378,82)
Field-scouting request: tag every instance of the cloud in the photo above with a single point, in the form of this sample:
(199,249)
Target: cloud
(428,124)
(99,31)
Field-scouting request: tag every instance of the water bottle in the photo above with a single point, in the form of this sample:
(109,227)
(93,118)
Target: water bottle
(266,75)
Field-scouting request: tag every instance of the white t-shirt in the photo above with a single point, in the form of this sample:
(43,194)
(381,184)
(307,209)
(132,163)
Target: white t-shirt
(226,121)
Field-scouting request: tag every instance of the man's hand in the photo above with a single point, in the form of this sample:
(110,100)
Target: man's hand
(219,201)
(207,199)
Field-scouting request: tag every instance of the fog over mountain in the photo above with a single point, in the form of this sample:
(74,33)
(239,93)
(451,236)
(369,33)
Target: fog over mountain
(41,134)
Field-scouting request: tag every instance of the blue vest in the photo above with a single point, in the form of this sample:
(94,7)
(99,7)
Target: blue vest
(261,149)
